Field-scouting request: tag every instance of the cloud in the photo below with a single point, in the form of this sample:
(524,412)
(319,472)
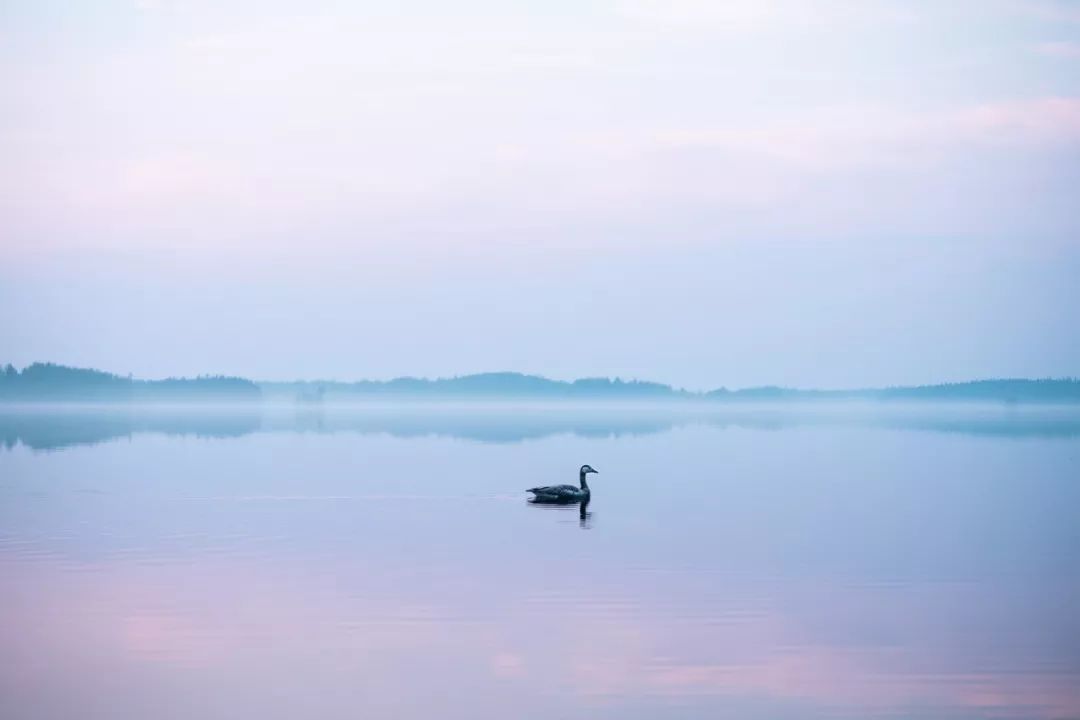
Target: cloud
(750,14)
(1051,10)
(866,136)
(1050,120)
(488,119)
(1067,50)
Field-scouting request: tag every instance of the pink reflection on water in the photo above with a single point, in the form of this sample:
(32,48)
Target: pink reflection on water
(240,633)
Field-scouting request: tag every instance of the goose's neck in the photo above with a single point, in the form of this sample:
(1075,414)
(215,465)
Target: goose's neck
(584,482)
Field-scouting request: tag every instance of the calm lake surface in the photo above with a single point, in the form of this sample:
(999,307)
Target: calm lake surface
(383,563)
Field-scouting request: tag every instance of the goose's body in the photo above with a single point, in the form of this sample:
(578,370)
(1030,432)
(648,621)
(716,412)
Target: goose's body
(564,494)
(558,494)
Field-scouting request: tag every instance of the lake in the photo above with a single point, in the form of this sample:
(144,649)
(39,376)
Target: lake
(382,562)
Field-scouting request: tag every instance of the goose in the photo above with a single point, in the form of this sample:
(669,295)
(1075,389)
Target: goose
(564,494)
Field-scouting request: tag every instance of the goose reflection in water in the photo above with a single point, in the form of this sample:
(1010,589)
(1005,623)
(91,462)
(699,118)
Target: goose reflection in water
(585,515)
(585,518)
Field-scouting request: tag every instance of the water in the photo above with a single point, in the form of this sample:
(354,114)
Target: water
(748,563)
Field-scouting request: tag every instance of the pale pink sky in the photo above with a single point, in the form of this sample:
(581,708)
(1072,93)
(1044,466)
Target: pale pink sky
(705,193)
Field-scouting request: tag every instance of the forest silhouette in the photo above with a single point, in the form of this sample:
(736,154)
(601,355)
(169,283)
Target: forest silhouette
(49,382)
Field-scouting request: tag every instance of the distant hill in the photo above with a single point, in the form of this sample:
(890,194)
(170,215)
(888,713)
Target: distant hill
(58,383)
(47,382)
(485,385)
(1066,390)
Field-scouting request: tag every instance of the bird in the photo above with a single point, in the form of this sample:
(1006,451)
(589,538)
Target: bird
(564,494)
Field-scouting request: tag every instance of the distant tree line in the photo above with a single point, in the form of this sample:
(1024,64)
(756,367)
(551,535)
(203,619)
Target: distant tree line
(483,385)
(51,382)
(1065,390)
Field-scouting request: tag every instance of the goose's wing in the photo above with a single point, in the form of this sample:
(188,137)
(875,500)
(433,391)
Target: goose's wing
(556,490)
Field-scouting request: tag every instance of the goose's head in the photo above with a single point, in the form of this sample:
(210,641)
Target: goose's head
(586,469)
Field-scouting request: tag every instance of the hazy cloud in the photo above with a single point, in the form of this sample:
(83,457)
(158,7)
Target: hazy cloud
(1067,50)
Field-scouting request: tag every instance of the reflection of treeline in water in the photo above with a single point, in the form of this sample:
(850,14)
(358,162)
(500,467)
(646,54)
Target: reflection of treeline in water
(63,427)
(49,382)
(45,427)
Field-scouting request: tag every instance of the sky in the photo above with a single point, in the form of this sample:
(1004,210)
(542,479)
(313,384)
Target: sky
(816,194)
